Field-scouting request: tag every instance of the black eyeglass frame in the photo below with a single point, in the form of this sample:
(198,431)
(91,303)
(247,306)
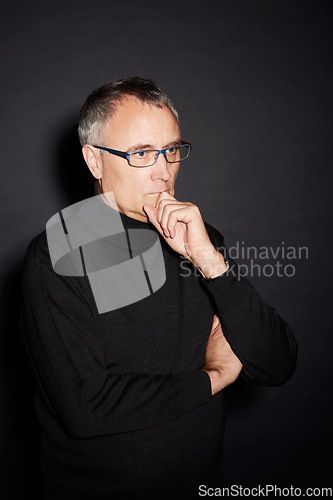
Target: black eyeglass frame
(127,156)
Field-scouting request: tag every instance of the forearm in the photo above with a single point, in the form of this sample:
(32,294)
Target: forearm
(259,337)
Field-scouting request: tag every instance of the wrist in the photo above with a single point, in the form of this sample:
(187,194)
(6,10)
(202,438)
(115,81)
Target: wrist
(212,265)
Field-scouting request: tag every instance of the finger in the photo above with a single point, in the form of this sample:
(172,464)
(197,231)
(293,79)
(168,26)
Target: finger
(177,215)
(165,196)
(162,203)
(163,214)
(216,325)
(216,321)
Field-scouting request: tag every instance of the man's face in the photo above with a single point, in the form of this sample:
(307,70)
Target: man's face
(137,125)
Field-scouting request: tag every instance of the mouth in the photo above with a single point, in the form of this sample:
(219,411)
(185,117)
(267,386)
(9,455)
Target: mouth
(157,193)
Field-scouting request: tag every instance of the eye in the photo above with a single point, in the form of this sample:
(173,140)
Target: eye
(172,150)
(140,154)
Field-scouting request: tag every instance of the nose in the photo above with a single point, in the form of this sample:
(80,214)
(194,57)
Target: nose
(161,169)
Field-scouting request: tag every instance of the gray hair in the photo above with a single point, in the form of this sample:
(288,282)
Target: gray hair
(102,103)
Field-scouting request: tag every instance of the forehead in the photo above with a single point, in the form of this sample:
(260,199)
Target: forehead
(136,121)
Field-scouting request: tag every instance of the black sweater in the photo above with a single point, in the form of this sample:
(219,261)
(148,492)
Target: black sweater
(121,397)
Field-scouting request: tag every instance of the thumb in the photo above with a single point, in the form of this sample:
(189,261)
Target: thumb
(152,217)
(151,213)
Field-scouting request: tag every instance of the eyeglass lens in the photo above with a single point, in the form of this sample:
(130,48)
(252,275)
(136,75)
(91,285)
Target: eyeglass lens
(145,158)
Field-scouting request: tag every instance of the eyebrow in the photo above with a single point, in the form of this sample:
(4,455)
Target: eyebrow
(138,147)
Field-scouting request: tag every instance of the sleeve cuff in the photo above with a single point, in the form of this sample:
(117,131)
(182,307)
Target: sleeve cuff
(228,289)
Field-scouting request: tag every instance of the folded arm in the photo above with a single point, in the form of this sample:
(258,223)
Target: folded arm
(58,326)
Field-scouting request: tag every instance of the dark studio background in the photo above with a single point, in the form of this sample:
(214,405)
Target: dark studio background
(252,81)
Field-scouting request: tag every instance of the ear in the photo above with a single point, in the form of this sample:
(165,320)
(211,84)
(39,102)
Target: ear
(93,160)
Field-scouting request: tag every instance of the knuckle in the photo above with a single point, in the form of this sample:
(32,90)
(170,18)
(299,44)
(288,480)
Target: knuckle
(166,208)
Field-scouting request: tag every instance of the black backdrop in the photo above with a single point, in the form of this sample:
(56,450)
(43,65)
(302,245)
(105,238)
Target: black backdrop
(252,82)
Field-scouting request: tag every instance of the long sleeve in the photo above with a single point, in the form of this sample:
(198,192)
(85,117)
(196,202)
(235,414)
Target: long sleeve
(58,324)
(259,337)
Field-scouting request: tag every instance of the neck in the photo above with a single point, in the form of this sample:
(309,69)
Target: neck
(110,201)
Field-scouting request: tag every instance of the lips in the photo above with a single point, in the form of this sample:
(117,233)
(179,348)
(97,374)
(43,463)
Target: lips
(157,192)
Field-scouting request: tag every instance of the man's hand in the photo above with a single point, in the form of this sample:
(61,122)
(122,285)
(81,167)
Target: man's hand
(221,364)
(182,227)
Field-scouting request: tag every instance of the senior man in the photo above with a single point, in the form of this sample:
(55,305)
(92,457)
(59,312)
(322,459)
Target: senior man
(130,400)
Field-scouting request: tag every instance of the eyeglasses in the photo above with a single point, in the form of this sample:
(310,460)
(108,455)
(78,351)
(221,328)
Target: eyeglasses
(148,157)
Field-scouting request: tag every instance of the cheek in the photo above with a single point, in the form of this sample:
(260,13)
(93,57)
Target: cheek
(137,184)
(174,173)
